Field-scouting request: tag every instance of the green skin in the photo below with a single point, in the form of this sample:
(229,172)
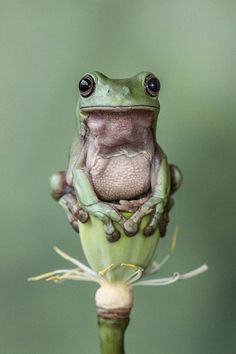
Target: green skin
(74,188)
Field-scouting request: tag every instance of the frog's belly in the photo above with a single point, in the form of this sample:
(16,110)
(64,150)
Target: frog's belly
(121,177)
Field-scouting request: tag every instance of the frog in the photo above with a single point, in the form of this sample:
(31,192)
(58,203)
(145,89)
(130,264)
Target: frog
(116,166)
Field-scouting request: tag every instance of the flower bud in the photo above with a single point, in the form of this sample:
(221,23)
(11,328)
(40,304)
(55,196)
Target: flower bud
(119,257)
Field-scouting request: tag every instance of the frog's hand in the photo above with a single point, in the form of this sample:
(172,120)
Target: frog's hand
(160,181)
(75,155)
(73,211)
(160,220)
(163,220)
(88,200)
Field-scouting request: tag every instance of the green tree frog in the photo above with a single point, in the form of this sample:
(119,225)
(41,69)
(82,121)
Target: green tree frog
(115,163)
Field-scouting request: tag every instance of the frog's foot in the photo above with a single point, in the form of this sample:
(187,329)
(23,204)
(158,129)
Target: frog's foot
(159,220)
(58,185)
(73,212)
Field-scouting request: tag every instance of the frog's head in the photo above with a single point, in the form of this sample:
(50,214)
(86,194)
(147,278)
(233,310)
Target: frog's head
(100,93)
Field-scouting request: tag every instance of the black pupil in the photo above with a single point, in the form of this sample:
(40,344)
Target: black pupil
(154,84)
(85,85)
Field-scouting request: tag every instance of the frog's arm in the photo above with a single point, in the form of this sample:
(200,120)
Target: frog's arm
(74,157)
(160,182)
(160,187)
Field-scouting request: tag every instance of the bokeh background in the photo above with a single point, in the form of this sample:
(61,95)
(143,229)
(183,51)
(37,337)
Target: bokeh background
(45,47)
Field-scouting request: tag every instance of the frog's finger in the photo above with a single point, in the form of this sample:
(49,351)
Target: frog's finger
(110,212)
(71,218)
(111,233)
(70,205)
(150,204)
(130,227)
(151,227)
(104,212)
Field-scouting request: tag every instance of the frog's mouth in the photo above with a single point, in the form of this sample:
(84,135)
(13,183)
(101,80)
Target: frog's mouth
(119,108)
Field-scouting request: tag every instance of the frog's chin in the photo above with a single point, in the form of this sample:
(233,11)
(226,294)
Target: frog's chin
(118,108)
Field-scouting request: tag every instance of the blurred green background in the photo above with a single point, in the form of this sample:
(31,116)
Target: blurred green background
(45,47)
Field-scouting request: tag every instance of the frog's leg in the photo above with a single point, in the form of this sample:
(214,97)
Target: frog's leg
(92,205)
(162,222)
(58,185)
(160,181)
(65,195)
(175,178)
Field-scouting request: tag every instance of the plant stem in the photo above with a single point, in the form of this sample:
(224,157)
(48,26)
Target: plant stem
(112,332)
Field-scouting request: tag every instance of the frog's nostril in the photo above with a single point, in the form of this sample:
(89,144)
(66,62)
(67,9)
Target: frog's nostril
(125,91)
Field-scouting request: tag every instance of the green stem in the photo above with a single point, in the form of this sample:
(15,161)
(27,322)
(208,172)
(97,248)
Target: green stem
(112,332)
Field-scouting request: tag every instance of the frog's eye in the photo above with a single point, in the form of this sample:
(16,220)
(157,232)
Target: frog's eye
(152,85)
(86,85)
